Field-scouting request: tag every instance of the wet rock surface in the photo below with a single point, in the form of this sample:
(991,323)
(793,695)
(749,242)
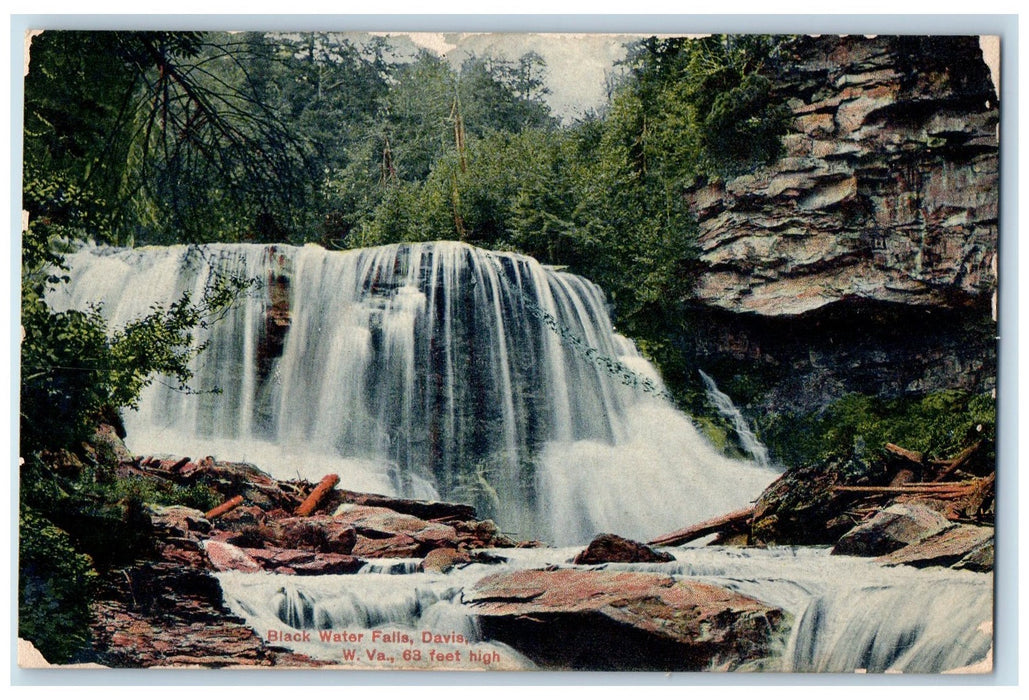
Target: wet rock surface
(894,527)
(614,548)
(962,546)
(607,620)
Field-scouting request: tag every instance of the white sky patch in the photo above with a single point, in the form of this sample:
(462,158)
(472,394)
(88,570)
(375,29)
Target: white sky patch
(577,68)
(990,46)
(433,41)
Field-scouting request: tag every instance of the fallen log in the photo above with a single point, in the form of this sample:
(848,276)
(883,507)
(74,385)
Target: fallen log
(707,527)
(928,488)
(224,508)
(320,491)
(958,461)
(909,455)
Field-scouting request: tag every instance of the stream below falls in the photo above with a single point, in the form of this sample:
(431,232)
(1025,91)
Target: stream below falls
(849,614)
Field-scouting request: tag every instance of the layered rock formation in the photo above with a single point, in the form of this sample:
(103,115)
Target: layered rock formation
(864,259)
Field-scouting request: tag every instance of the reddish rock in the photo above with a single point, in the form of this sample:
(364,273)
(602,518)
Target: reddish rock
(228,557)
(321,533)
(304,563)
(613,548)
(443,560)
(947,548)
(385,533)
(166,615)
(241,517)
(612,620)
(177,521)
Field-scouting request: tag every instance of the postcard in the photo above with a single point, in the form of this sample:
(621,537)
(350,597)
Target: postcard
(535,352)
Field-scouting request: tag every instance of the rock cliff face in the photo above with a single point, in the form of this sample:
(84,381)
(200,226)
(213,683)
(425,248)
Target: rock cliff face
(871,244)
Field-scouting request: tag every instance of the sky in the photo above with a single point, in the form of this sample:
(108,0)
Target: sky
(577,64)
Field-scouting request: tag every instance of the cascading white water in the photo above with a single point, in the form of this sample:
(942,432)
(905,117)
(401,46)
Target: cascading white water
(423,370)
(728,409)
(849,614)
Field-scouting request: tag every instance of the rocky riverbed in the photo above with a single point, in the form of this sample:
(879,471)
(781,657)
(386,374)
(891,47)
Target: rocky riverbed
(171,610)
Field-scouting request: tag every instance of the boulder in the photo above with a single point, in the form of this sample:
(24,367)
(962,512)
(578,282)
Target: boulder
(476,534)
(229,557)
(618,621)
(382,532)
(979,559)
(890,529)
(443,560)
(947,548)
(321,533)
(177,521)
(801,507)
(613,548)
(242,517)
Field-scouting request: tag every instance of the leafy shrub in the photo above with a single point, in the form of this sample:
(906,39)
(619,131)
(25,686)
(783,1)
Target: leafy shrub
(55,583)
(938,425)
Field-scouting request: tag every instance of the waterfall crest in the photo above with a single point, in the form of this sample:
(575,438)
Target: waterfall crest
(422,370)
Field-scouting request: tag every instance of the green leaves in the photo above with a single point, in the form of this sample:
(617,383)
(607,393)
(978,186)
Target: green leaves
(55,584)
(938,425)
(72,368)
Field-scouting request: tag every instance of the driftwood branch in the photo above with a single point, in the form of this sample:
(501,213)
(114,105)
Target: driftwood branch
(224,508)
(909,455)
(958,461)
(707,527)
(317,495)
(938,488)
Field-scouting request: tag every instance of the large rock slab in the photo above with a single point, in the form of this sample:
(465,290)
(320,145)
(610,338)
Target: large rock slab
(948,548)
(382,532)
(890,529)
(615,621)
(303,562)
(427,510)
(321,533)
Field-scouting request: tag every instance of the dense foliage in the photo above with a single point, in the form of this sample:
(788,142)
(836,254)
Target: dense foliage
(938,425)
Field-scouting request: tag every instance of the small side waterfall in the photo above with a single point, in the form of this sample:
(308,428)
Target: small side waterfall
(433,370)
(725,406)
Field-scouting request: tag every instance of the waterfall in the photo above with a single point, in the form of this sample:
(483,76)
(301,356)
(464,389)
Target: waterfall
(430,370)
(725,406)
